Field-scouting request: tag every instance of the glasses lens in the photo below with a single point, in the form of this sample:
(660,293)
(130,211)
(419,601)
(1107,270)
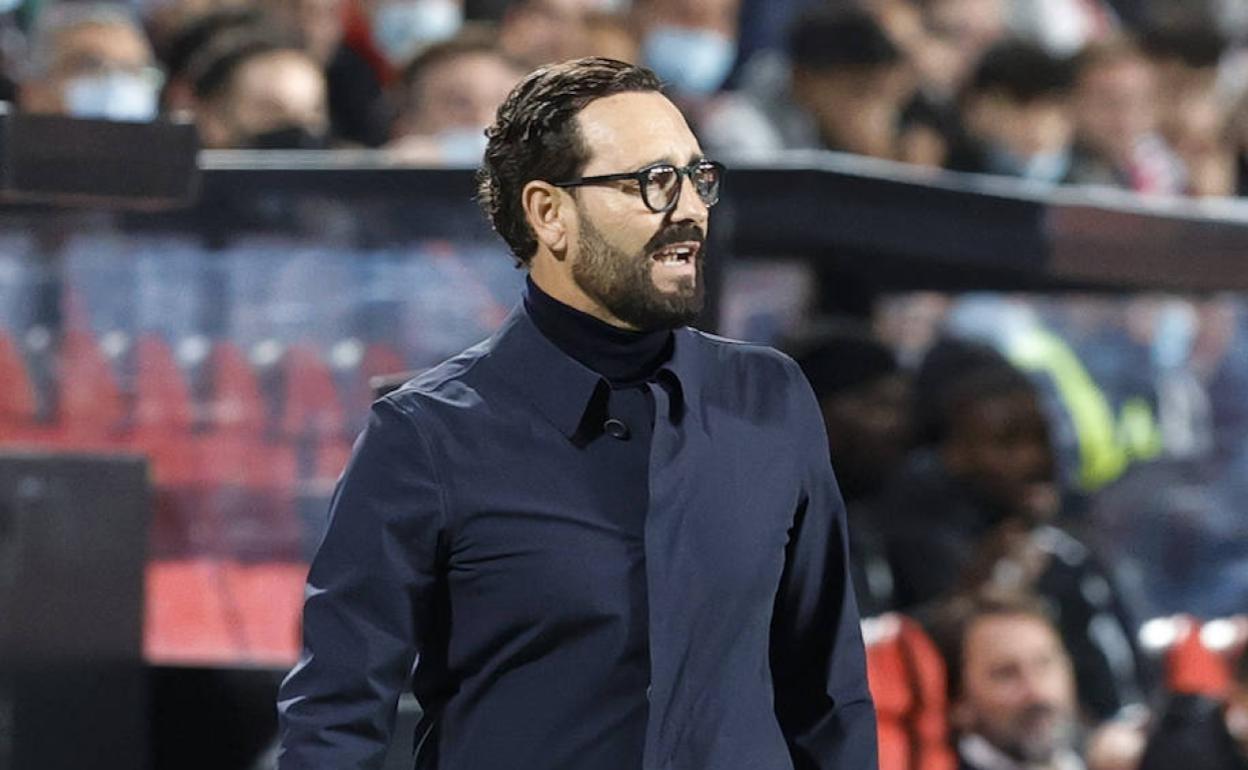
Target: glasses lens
(706,179)
(662,184)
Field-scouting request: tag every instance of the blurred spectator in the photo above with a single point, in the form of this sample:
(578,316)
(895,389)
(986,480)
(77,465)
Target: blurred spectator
(186,42)
(1191,115)
(254,91)
(864,396)
(1116,123)
(1016,115)
(690,44)
(91,60)
(612,36)
(537,32)
(958,32)
(975,506)
(317,25)
(448,96)
(1198,733)
(1011,684)
(844,89)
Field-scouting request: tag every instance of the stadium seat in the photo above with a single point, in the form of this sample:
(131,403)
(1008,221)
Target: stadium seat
(907,679)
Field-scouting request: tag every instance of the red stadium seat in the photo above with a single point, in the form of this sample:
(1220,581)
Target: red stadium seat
(907,679)
(311,408)
(237,404)
(91,408)
(187,622)
(1197,656)
(268,599)
(18,401)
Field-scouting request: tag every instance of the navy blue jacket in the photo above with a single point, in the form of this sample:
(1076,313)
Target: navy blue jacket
(479,552)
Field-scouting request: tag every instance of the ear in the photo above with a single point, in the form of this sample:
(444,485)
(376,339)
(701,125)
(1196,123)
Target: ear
(546,210)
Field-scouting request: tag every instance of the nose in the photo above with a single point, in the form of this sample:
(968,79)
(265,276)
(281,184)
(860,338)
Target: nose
(689,207)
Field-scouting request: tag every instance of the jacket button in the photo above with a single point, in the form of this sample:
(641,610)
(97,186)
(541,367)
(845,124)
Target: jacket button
(616,429)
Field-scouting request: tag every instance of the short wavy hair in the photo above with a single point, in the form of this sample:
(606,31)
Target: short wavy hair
(535,136)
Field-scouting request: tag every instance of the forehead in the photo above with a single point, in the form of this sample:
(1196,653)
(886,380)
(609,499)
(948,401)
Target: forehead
(996,638)
(624,132)
(104,42)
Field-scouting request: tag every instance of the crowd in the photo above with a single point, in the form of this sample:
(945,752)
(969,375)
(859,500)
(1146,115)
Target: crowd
(1145,95)
(968,503)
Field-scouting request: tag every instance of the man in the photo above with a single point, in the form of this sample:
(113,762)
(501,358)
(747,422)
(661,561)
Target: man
(1116,122)
(604,540)
(1199,733)
(448,96)
(1016,115)
(92,61)
(255,91)
(1011,685)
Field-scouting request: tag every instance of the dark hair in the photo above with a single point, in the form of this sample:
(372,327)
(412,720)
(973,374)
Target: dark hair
(839,360)
(212,69)
(952,622)
(833,39)
(473,40)
(1020,70)
(191,38)
(955,373)
(1196,45)
(535,136)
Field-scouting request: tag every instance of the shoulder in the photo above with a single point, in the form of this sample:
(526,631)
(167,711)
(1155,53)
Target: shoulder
(451,385)
(723,355)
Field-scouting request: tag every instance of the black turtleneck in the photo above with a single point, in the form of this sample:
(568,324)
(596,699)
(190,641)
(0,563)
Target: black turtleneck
(619,355)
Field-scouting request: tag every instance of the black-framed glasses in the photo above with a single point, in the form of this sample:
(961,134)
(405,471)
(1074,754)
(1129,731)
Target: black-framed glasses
(660,183)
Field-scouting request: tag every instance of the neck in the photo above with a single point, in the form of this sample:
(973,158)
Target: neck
(619,355)
(560,286)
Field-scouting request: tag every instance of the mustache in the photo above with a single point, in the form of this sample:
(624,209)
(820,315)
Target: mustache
(678,233)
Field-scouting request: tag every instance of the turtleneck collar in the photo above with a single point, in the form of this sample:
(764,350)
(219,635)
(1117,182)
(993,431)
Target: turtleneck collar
(619,355)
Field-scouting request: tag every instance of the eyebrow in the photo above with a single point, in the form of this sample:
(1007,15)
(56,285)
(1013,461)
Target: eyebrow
(696,158)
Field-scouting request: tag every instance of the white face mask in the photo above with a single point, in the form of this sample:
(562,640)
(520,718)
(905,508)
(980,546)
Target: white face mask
(123,96)
(462,146)
(401,28)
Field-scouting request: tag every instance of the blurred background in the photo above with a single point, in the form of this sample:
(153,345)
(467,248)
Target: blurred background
(1003,237)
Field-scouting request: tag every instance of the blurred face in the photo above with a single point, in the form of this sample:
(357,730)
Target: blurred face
(718,16)
(272,92)
(91,51)
(461,93)
(1114,107)
(539,32)
(1017,687)
(1000,447)
(1026,129)
(621,262)
(868,430)
(317,22)
(856,109)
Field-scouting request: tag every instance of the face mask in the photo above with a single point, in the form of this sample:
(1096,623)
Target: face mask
(288,138)
(114,96)
(401,29)
(462,146)
(1042,167)
(694,62)
(8,6)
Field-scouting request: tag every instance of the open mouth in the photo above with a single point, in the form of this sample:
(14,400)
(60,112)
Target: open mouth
(682,253)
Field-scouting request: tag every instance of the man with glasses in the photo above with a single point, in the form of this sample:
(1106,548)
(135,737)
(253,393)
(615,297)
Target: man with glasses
(600,539)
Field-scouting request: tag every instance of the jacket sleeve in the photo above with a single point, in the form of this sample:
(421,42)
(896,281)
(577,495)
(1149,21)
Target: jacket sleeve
(818,662)
(369,601)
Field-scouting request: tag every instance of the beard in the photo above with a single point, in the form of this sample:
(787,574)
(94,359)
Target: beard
(622,283)
(1026,741)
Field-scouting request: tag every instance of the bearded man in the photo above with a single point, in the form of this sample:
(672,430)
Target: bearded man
(599,539)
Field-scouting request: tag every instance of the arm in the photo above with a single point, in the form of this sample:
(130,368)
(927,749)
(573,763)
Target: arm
(817,658)
(368,602)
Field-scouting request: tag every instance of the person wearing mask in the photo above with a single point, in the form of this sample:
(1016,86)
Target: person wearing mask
(1015,115)
(255,91)
(844,88)
(1011,683)
(91,60)
(599,539)
(690,44)
(448,97)
(1117,142)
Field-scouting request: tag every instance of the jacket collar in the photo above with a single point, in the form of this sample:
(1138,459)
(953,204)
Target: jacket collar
(563,390)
